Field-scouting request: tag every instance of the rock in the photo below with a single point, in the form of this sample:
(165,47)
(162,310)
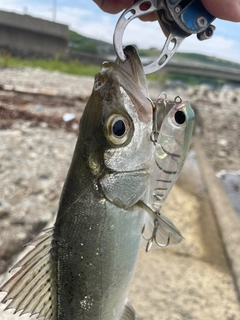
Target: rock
(75,126)
(43,176)
(68,117)
(222,154)
(43,124)
(38,107)
(5,209)
(223,142)
(9,248)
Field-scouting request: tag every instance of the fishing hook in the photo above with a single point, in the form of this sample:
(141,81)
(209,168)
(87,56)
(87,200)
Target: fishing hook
(154,237)
(161,99)
(154,133)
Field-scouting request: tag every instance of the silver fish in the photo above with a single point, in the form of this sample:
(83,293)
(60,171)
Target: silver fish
(171,149)
(83,266)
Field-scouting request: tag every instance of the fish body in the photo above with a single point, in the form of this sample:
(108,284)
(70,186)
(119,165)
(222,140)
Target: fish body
(82,268)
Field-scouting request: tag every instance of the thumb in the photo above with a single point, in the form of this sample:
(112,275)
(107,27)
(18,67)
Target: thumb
(224,9)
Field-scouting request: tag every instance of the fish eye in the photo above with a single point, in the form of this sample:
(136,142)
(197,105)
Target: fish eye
(180,117)
(117,129)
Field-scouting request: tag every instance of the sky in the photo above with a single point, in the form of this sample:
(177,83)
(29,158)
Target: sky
(86,18)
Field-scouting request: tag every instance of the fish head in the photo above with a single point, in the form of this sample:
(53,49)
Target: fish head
(116,127)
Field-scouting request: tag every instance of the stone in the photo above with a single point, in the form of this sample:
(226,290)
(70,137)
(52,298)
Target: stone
(222,154)
(5,209)
(223,142)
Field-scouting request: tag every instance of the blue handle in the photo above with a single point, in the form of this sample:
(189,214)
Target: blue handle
(196,17)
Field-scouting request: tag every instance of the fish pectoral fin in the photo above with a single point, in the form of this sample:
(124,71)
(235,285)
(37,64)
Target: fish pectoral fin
(128,312)
(30,288)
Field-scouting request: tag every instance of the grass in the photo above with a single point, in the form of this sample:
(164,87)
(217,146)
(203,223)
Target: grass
(75,68)
(55,64)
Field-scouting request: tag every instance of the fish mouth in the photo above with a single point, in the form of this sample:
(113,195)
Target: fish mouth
(131,77)
(133,66)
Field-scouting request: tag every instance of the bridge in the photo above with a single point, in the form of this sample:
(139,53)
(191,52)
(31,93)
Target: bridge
(192,68)
(205,70)
(29,36)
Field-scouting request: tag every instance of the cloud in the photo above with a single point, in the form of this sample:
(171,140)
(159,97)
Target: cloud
(29,7)
(144,34)
(217,46)
(101,29)
(74,17)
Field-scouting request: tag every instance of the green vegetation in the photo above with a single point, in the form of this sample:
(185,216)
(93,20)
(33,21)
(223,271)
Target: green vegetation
(76,68)
(151,53)
(77,42)
(55,64)
(191,57)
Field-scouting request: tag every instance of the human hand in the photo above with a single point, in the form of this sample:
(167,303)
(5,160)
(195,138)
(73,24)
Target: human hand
(115,6)
(222,9)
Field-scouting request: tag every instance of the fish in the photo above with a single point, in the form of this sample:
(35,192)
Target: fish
(171,148)
(82,267)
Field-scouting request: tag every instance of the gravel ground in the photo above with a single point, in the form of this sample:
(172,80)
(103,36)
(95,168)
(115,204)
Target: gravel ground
(34,163)
(36,149)
(47,82)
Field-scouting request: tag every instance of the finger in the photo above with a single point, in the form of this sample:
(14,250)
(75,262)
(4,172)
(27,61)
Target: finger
(224,9)
(149,17)
(113,6)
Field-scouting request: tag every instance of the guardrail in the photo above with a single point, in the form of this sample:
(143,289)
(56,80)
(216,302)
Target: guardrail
(206,70)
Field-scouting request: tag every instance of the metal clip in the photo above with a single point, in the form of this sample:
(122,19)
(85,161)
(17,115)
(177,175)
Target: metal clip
(179,18)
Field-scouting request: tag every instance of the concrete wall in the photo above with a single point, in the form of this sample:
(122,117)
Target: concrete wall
(26,35)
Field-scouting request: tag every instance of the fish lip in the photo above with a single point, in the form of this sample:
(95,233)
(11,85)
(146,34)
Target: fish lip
(131,77)
(133,66)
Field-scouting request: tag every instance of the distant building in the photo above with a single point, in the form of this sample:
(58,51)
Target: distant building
(28,36)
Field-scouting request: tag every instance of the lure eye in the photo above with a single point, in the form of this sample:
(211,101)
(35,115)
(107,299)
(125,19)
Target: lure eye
(117,129)
(180,117)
